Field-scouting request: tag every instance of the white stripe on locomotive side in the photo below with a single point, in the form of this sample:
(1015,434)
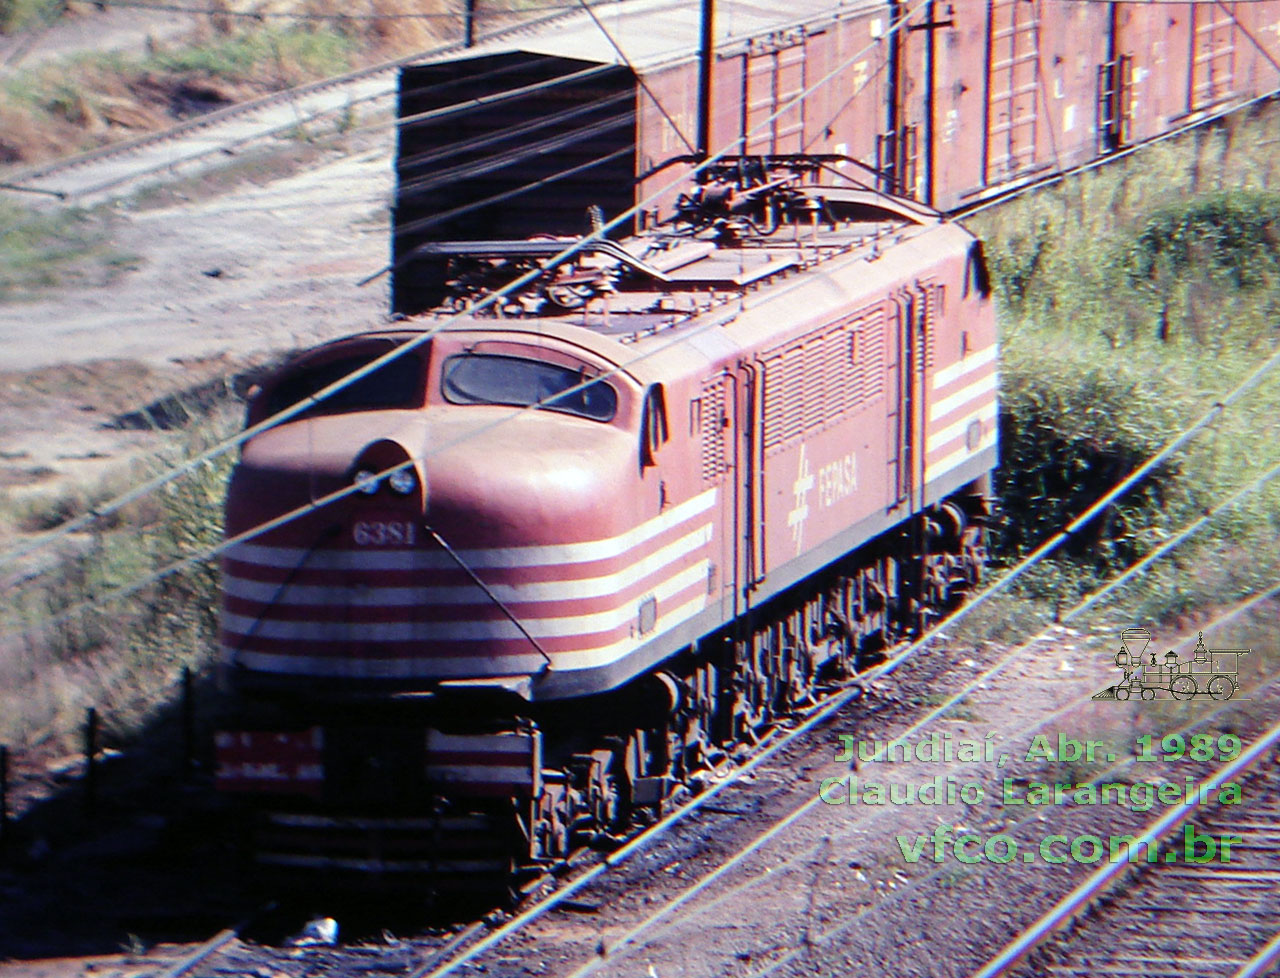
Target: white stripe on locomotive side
(976,359)
(485,629)
(984,385)
(445,667)
(534,592)
(949,462)
(505,557)
(956,430)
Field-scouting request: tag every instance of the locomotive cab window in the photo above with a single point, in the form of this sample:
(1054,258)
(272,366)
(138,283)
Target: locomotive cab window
(487,378)
(397,384)
(653,426)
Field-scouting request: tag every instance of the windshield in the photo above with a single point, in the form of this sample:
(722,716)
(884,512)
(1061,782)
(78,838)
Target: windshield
(483,378)
(397,384)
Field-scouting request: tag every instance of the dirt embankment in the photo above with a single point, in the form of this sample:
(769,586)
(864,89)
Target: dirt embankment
(101,74)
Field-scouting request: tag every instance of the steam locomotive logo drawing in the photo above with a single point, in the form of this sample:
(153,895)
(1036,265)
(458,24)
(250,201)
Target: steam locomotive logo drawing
(1207,672)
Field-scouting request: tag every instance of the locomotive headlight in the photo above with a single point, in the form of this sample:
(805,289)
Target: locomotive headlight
(403,481)
(366,482)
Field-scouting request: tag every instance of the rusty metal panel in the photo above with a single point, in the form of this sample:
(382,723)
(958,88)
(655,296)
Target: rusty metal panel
(788,127)
(844,116)
(1257,47)
(775,77)
(760,100)
(959,140)
(1157,40)
(1074,46)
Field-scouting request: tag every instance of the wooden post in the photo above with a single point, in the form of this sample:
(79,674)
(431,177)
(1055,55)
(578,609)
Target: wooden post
(90,768)
(469,28)
(4,796)
(188,720)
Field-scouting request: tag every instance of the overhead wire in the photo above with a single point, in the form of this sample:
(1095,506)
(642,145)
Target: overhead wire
(123,499)
(618,951)
(838,702)
(760,840)
(50,536)
(638,75)
(307,15)
(306,404)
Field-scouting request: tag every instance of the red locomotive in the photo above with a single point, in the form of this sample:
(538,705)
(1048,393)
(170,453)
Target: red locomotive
(759,454)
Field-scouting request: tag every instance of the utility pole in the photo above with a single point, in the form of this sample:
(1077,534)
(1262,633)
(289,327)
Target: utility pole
(706,66)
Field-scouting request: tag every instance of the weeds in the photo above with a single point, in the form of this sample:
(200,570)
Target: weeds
(42,250)
(1132,299)
(122,655)
(76,103)
(22,15)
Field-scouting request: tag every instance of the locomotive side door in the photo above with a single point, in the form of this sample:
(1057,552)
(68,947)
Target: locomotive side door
(906,354)
(714,419)
(899,413)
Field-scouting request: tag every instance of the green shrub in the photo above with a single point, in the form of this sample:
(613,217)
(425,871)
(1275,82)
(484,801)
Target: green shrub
(22,15)
(1074,421)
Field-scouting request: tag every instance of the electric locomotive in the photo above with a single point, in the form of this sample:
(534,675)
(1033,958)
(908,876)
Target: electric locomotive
(648,503)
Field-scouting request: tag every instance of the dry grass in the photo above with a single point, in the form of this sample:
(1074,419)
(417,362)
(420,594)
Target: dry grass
(68,106)
(64,645)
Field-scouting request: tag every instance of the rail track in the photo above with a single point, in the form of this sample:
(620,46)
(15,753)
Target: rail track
(565,924)
(119,166)
(596,885)
(1172,918)
(804,905)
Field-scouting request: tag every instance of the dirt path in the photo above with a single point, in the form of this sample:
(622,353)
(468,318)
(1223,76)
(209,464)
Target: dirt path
(85,28)
(220,282)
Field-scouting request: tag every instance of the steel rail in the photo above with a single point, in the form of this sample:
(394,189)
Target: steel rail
(1271,681)
(552,901)
(110,506)
(41,170)
(1261,962)
(889,666)
(1061,711)
(1074,902)
(882,669)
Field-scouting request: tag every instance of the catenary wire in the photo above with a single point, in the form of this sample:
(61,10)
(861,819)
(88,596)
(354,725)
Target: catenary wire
(795,815)
(456,15)
(639,77)
(570,249)
(837,703)
(1059,913)
(888,900)
(40,540)
(617,951)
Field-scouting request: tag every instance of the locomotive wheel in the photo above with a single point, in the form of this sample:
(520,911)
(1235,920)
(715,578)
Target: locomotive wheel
(1148,693)
(1221,688)
(1183,688)
(1122,692)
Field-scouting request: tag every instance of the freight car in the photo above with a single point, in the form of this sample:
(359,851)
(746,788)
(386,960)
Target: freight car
(651,502)
(947,103)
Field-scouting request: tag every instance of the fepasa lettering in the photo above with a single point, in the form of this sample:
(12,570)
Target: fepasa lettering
(838,479)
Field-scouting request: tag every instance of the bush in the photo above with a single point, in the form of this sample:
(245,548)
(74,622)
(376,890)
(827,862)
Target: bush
(1074,421)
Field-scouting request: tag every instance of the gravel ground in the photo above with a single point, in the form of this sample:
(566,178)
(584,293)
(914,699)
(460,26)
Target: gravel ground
(236,277)
(223,281)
